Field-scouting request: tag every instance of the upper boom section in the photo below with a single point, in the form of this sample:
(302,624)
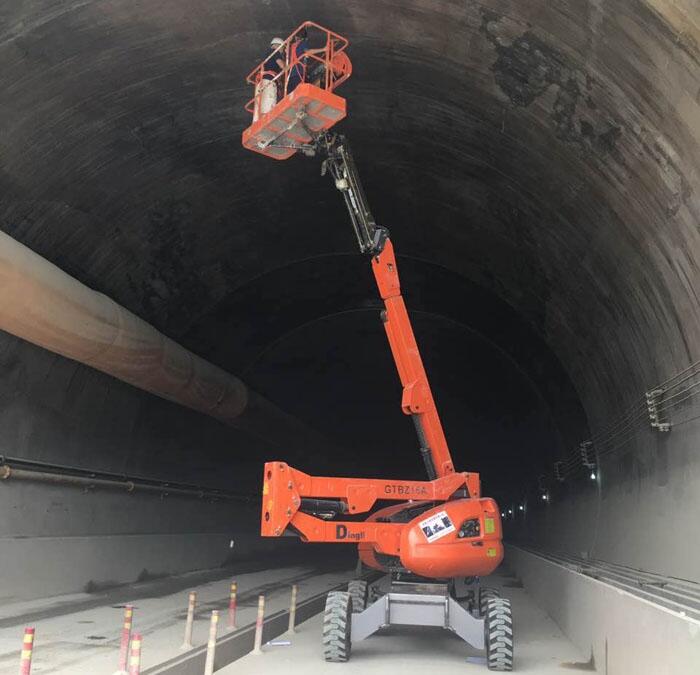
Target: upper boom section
(417,400)
(340,163)
(305,77)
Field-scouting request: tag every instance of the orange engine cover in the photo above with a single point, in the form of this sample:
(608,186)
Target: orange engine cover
(460,538)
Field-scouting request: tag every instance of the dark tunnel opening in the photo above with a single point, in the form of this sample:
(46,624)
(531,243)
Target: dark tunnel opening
(318,344)
(537,165)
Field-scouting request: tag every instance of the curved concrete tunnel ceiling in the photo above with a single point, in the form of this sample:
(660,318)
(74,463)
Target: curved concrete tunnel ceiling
(536,162)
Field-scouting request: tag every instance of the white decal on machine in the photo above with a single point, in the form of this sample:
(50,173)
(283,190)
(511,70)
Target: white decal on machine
(436,526)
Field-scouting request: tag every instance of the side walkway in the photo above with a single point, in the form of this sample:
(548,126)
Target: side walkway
(75,636)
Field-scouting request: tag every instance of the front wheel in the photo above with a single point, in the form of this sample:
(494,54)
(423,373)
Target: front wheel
(498,635)
(337,619)
(485,594)
(358,592)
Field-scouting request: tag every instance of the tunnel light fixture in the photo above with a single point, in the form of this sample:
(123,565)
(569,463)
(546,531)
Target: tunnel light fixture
(593,475)
(510,512)
(545,497)
(503,514)
(521,507)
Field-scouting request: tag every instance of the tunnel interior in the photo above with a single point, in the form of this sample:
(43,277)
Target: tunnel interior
(537,165)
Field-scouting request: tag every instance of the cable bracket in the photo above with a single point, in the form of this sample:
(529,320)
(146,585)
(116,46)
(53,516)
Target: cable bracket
(654,398)
(587,455)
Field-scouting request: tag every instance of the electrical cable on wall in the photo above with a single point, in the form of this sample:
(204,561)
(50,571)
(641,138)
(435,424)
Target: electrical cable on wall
(646,411)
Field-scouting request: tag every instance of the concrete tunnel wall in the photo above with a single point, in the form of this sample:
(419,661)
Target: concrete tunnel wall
(56,539)
(537,164)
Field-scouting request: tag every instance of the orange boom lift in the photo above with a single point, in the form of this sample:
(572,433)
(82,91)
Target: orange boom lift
(441,535)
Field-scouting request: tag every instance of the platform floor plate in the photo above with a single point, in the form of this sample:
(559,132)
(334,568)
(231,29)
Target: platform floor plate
(307,107)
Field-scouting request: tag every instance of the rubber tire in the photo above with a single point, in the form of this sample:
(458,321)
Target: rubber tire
(498,635)
(358,592)
(485,594)
(336,627)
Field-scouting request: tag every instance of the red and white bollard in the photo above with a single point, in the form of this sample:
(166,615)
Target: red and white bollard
(293,610)
(259,625)
(232,607)
(191,602)
(25,661)
(135,656)
(211,644)
(126,637)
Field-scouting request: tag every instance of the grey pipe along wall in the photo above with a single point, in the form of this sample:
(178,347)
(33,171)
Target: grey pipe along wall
(47,307)
(96,538)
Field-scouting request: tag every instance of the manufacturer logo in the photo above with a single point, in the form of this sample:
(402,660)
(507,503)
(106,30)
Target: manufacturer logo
(341,532)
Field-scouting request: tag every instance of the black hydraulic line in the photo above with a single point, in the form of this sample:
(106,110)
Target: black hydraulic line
(339,161)
(424,448)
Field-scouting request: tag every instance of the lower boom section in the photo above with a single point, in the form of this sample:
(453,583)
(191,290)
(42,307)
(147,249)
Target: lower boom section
(450,532)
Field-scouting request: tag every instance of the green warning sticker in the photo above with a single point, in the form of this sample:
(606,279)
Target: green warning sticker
(489,526)
(490,552)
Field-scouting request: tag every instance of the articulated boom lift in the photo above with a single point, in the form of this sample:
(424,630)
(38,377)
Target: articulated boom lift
(441,535)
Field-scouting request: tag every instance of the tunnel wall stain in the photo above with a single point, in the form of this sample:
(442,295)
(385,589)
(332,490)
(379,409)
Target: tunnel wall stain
(527,67)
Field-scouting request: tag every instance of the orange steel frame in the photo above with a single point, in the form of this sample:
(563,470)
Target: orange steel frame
(284,487)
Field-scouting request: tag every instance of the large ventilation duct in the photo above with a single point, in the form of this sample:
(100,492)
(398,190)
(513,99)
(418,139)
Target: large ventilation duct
(45,306)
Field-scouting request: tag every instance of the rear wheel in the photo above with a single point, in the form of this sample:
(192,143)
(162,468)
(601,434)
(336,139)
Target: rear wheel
(336,627)
(498,635)
(485,594)
(358,592)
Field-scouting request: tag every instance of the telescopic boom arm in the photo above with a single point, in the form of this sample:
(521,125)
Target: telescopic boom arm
(417,399)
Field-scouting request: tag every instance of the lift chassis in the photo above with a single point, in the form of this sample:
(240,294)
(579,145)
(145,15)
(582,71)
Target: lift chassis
(439,535)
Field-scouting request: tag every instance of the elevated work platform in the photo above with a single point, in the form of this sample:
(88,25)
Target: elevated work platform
(278,133)
(293,91)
